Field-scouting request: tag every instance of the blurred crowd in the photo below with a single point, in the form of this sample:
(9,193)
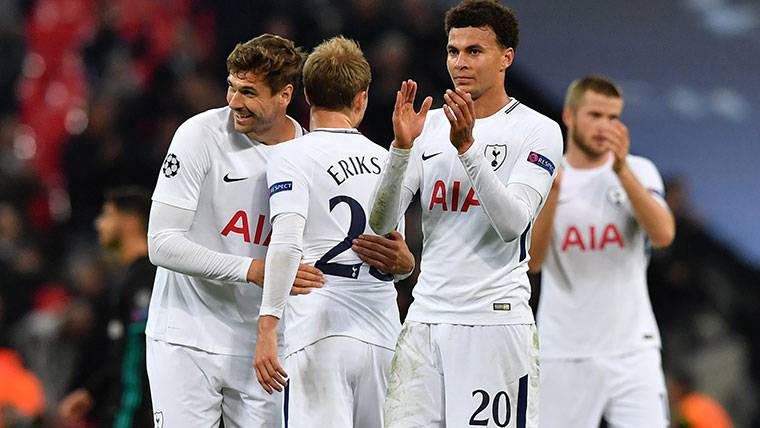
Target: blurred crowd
(91,92)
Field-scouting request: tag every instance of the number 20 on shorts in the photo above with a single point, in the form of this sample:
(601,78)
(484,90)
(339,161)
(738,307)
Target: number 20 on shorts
(500,406)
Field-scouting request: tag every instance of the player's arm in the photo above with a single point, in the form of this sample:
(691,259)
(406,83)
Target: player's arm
(542,229)
(652,214)
(283,257)
(395,190)
(169,247)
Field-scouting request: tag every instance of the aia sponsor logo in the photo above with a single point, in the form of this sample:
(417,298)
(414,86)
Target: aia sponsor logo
(239,226)
(447,199)
(592,239)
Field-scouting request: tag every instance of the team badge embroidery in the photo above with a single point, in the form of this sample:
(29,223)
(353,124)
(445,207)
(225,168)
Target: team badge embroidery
(496,154)
(158,420)
(616,196)
(170,167)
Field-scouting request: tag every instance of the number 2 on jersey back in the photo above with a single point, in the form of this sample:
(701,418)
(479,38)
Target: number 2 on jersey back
(358,223)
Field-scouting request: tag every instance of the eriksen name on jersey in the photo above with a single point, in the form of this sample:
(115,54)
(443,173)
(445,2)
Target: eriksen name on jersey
(353,165)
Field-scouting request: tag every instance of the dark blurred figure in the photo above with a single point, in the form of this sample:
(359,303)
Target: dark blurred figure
(705,299)
(116,393)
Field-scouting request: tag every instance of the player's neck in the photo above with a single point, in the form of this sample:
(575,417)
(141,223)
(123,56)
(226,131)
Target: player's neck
(579,159)
(132,249)
(491,102)
(322,118)
(282,130)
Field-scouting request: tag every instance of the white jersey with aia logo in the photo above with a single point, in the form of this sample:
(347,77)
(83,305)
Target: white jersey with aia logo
(594,297)
(469,275)
(327,177)
(221,175)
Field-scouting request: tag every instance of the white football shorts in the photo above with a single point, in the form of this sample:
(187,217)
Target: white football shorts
(627,390)
(193,388)
(337,382)
(446,375)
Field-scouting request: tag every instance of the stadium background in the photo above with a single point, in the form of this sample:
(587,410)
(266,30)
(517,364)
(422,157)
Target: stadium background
(92,91)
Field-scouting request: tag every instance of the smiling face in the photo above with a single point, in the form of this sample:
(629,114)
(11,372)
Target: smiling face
(476,61)
(255,108)
(588,122)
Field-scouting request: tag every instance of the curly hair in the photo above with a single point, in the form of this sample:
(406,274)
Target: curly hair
(275,58)
(486,13)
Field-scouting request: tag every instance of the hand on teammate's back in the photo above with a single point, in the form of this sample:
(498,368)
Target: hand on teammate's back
(307,277)
(388,253)
(408,124)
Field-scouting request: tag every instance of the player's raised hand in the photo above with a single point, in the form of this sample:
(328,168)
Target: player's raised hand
(307,278)
(270,374)
(388,253)
(617,139)
(460,110)
(407,123)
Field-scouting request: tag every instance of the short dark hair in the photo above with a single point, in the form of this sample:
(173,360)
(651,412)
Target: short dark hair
(131,200)
(486,13)
(602,85)
(276,59)
(335,72)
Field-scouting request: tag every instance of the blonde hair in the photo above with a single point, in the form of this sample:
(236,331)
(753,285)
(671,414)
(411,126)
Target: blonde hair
(276,59)
(594,82)
(335,72)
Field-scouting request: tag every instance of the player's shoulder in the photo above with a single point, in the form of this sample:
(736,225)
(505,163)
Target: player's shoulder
(636,161)
(295,146)
(529,117)
(214,121)
(371,146)
(640,164)
(196,134)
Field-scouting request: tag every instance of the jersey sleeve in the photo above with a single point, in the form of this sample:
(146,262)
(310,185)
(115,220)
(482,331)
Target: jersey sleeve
(649,177)
(413,174)
(287,181)
(539,158)
(185,167)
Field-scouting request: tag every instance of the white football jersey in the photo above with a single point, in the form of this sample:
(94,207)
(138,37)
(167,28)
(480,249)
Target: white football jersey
(221,175)
(469,275)
(327,177)
(594,296)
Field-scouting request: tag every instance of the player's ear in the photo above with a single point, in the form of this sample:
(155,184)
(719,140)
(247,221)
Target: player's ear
(567,116)
(286,93)
(359,103)
(507,57)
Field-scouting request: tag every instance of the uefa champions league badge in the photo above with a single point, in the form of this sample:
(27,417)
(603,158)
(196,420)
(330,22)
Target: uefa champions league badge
(496,154)
(616,196)
(170,168)
(542,161)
